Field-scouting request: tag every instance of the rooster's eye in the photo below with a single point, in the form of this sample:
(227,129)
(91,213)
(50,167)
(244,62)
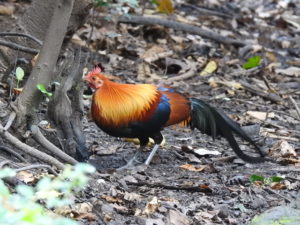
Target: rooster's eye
(93,78)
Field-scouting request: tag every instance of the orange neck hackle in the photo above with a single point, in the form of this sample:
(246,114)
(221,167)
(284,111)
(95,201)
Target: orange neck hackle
(117,104)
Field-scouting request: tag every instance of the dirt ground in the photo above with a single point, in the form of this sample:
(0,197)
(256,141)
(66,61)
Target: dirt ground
(219,193)
(194,179)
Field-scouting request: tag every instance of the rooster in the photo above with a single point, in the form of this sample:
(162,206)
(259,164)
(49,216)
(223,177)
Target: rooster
(143,110)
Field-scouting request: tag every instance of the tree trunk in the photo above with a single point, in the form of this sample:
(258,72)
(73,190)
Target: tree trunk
(65,108)
(35,22)
(51,21)
(42,73)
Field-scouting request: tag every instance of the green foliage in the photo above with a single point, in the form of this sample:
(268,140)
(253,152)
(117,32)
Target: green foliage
(265,180)
(42,89)
(155,2)
(252,62)
(130,3)
(22,208)
(19,75)
(101,3)
(118,5)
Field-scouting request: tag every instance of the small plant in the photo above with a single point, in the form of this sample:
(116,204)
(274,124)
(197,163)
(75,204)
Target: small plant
(42,89)
(101,3)
(19,75)
(264,180)
(22,207)
(118,5)
(252,62)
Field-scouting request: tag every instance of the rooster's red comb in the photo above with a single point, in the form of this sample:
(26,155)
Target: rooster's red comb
(96,69)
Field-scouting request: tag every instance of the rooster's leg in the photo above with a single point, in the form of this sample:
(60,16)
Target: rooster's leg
(134,159)
(152,153)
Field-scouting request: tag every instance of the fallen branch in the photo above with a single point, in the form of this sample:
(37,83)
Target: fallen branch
(197,188)
(207,12)
(147,20)
(40,138)
(269,96)
(259,105)
(276,193)
(30,150)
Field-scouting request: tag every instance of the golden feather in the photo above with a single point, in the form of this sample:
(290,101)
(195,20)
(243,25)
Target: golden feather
(119,104)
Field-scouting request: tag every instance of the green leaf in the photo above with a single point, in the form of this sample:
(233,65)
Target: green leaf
(25,191)
(100,3)
(254,178)
(155,2)
(4,191)
(19,73)
(276,179)
(42,89)
(7,172)
(252,62)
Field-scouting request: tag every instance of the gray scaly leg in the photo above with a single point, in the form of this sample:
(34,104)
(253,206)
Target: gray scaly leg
(152,153)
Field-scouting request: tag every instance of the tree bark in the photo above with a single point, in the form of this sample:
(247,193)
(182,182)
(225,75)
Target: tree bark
(42,73)
(36,21)
(65,108)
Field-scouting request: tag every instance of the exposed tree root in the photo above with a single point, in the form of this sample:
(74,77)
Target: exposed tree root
(39,137)
(10,120)
(30,150)
(14,153)
(22,35)
(37,166)
(65,108)
(19,47)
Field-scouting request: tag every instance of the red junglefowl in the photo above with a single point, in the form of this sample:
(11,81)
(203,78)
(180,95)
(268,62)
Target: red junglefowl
(143,110)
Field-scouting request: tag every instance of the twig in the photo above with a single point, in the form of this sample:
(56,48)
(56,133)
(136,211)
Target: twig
(10,120)
(292,178)
(286,169)
(158,185)
(37,166)
(22,35)
(39,137)
(19,47)
(224,159)
(273,192)
(30,150)
(258,105)
(295,105)
(147,20)
(12,152)
(209,12)
(190,73)
(269,96)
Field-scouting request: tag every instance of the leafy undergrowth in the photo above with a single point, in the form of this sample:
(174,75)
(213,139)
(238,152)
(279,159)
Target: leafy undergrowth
(33,204)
